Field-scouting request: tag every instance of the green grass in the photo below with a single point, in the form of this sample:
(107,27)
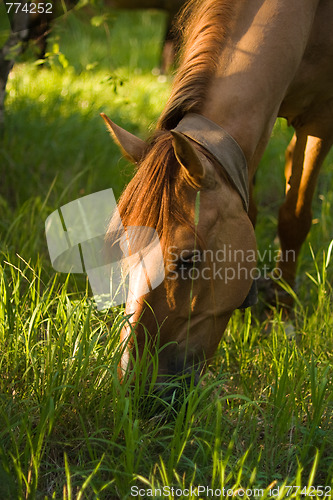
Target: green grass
(262,418)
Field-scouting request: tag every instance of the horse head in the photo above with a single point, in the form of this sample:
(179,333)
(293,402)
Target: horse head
(199,211)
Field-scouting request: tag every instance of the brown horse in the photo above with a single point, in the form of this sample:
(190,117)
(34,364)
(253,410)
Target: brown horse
(243,64)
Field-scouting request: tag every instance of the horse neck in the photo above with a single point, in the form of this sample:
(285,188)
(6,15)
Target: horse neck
(257,64)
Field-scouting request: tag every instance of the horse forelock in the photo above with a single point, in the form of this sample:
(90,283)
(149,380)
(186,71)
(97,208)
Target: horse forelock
(153,197)
(204,27)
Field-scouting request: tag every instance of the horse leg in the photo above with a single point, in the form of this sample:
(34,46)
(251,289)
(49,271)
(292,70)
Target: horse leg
(304,157)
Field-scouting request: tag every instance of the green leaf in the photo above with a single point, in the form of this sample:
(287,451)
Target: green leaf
(97,21)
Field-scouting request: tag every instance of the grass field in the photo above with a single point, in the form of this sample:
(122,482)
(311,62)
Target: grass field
(261,422)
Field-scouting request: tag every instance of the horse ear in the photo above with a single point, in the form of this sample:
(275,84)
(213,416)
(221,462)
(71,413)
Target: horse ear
(132,147)
(187,156)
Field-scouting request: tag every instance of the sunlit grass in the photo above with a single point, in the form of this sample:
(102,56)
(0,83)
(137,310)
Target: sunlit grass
(262,414)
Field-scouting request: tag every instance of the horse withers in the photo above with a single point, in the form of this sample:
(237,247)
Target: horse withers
(243,65)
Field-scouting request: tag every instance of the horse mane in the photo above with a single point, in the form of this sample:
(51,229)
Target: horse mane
(153,198)
(204,26)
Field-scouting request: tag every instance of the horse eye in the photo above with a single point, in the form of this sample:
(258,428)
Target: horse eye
(188,261)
